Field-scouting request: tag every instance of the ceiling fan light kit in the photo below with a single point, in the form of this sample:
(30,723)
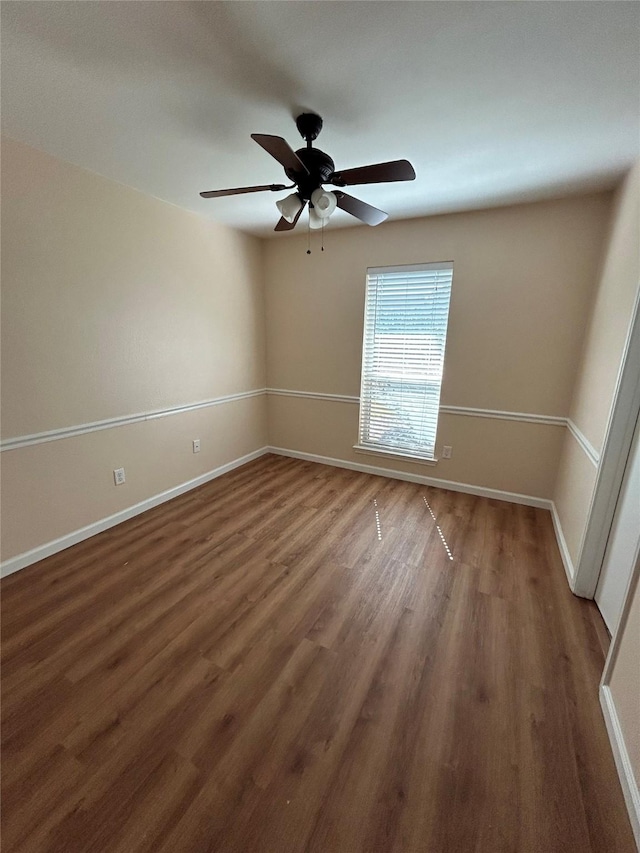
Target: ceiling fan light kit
(324,202)
(315,221)
(309,168)
(290,206)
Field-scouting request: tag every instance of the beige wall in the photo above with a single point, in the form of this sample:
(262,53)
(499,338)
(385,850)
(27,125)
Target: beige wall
(523,282)
(610,316)
(605,335)
(113,304)
(53,489)
(572,504)
(513,459)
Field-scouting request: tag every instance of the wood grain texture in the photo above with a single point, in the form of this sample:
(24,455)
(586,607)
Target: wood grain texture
(250,668)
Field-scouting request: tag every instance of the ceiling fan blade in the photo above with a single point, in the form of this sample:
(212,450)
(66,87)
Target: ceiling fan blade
(239,190)
(285,225)
(360,209)
(396,170)
(282,151)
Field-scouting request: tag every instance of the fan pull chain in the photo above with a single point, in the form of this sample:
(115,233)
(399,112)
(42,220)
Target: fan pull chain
(308,236)
(322,238)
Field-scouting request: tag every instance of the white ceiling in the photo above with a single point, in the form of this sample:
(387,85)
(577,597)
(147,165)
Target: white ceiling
(492,102)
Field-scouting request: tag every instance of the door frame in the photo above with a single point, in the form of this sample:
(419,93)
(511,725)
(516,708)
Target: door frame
(614,730)
(624,414)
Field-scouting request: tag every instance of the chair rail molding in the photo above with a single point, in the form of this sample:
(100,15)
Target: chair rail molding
(110,423)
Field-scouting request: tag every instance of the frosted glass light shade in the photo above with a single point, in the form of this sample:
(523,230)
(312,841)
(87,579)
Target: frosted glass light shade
(324,202)
(316,221)
(289,207)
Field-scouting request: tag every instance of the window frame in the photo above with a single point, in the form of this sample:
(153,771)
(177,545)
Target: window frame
(421,454)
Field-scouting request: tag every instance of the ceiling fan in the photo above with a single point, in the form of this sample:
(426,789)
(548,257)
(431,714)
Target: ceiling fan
(309,168)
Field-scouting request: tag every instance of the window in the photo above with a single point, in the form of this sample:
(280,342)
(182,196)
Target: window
(405,330)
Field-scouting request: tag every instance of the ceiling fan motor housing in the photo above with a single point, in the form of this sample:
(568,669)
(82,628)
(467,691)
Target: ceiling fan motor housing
(320,167)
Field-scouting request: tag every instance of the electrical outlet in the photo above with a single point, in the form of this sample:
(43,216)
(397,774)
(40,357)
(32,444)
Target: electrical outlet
(118,476)
(446,452)
(196,445)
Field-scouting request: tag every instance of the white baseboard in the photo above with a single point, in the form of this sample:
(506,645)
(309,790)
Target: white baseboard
(480,491)
(20,561)
(621,758)
(563,547)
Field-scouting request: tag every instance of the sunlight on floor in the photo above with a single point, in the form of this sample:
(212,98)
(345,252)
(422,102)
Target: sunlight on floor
(444,541)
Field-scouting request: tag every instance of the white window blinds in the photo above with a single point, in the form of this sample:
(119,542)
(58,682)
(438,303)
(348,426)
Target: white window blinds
(405,330)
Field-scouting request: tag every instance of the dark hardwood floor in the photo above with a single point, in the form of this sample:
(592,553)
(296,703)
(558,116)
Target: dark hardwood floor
(287,659)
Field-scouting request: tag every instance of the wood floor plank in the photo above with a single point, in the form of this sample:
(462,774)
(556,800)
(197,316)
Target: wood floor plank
(295,657)
(346,811)
(315,752)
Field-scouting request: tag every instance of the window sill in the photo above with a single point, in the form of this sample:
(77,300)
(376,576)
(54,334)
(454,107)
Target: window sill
(394,454)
